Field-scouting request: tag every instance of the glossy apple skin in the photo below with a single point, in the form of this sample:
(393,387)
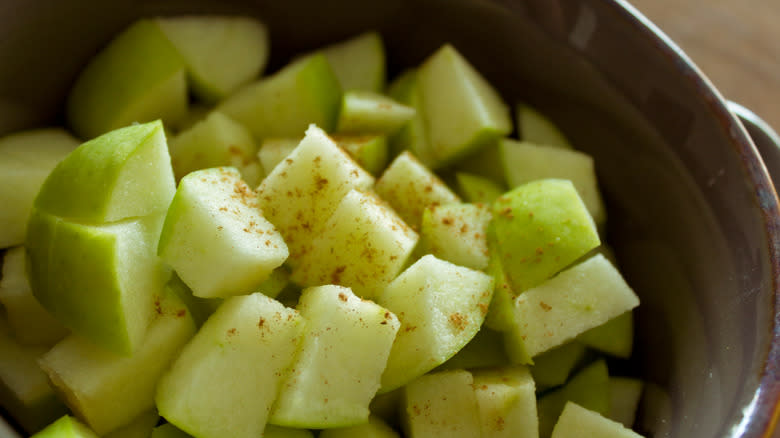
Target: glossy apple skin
(677,169)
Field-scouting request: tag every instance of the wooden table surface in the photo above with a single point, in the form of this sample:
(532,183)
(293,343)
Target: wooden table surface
(735,42)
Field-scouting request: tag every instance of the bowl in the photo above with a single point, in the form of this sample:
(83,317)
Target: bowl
(693,213)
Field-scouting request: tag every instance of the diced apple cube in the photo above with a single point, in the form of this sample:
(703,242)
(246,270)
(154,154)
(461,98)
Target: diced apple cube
(214,141)
(30,323)
(365,112)
(507,402)
(537,128)
(285,103)
(221,52)
(576,421)
(363,245)
(409,187)
(462,110)
(457,233)
(26,159)
(579,298)
(484,350)
(540,228)
(24,388)
(305,188)
(138,77)
(524,162)
(624,395)
(106,390)
(414,135)
(359,62)
(274,150)
(441,307)
(369,151)
(442,404)
(216,238)
(552,368)
(227,377)
(345,348)
(478,189)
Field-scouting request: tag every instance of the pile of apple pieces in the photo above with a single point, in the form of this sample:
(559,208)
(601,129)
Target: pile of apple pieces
(326,298)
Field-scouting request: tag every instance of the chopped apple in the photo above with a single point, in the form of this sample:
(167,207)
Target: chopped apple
(26,159)
(272,431)
(507,402)
(409,187)
(227,377)
(215,237)
(578,299)
(363,245)
(536,128)
(221,52)
(66,427)
(614,337)
(463,112)
(442,404)
(108,391)
(576,421)
(168,430)
(345,348)
(97,280)
(120,175)
(358,63)
(484,350)
(524,162)
(214,141)
(274,150)
(365,112)
(138,77)
(24,389)
(624,396)
(305,188)
(441,307)
(285,103)
(457,233)
(540,228)
(369,151)
(552,368)
(29,322)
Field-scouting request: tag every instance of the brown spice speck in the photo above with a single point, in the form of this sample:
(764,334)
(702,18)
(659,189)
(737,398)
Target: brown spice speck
(458,321)
(546,307)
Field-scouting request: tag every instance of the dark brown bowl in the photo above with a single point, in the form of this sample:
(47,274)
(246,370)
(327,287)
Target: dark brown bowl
(693,214)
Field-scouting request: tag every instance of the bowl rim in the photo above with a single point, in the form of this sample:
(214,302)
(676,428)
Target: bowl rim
(762,412)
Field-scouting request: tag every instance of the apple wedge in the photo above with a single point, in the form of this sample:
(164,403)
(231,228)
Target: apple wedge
(26,159)
(66,427)
(106,390)
(214,227)
(285,103)
(138,77)
(344,351)
(365,112)
(221,52)
(369,151)
(441,307)
(534,127)
(463,112)
(227,377)
(140,427)
(414,135)
(576,421)
(478,189)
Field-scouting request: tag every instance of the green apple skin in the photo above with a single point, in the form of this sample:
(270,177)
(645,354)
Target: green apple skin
(138,77)
(98,280)
(478,189)
(122,174)
(221,52)
(576,421)
(414,135)
(285,103)
(26,159)
(66,427)
(365,112)
(369,151)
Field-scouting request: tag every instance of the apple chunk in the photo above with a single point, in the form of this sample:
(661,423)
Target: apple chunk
(122,174)
(138,77)
(576,421)
(66,427)
(226,378)
(442,404)
(359,62)
(26,159)
(107,390)
(214,227)
(344,351)
(441,307)
(221,52)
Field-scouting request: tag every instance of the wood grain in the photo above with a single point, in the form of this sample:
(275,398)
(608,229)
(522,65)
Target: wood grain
(736,43)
